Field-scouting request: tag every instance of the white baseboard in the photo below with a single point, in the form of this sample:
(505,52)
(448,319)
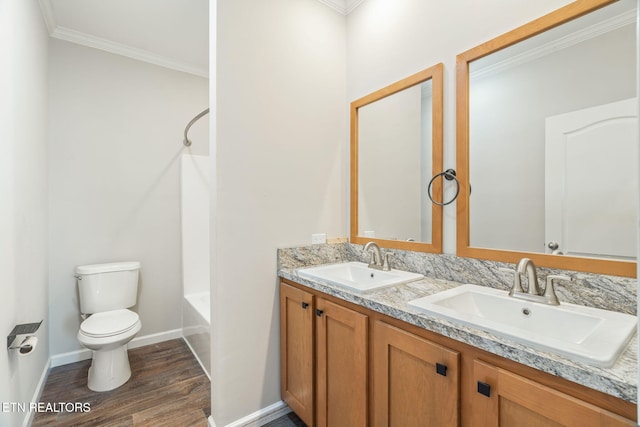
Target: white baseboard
(28,418)
(211,422)
(155,338)
(275,411)
(70,357)
(85,354)
(262,416)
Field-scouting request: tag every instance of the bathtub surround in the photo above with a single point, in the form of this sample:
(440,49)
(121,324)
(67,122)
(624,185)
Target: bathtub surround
(23,199)
(446,271)
(196,327)
(194,218)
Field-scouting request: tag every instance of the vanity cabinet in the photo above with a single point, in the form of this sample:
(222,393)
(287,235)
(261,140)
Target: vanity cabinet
(415,381)
(504,398)
(297,351)
(338,396)
(341,365)
(345,365)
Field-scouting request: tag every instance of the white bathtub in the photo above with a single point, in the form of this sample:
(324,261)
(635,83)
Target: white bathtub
(196,321)
(196,314)
(201,304)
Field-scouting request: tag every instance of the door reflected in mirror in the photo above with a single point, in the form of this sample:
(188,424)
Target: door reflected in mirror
(396,144)
(552,141)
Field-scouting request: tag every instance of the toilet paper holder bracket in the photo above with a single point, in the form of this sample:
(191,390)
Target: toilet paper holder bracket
(23,329)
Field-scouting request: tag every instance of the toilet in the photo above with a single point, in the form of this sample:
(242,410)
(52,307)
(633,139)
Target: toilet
(106,292)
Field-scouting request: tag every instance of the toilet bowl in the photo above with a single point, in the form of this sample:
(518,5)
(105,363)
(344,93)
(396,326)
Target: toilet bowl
(106,292)
(107,334)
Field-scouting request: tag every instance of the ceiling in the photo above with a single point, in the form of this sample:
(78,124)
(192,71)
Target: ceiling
(169,33)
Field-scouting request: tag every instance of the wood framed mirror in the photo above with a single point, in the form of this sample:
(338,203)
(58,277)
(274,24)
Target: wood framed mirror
(538,180)
(396,147)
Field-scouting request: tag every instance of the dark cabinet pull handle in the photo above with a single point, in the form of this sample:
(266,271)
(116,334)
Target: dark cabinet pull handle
(441,369)
(305,305)
(484,388)
(319,312)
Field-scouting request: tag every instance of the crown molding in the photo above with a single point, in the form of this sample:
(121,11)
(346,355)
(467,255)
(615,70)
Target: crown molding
(569,40)
(343,6)
(352,4)
(89,40)
(67,34)
(337,5)
(47,14)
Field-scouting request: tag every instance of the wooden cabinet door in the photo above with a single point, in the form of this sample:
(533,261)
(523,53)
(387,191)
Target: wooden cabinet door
(503,398)
(415,381)
(341,339)
(296,351)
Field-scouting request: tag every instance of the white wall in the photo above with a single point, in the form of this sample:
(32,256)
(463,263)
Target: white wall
(115,141)
(390,40)
(23,196)
(280,154)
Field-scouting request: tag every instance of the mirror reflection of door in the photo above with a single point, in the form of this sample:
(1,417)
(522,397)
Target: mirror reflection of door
(591,179)
(587,62)
(580,56)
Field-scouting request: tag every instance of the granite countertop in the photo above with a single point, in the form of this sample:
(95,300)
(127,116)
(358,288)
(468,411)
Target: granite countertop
(620,380)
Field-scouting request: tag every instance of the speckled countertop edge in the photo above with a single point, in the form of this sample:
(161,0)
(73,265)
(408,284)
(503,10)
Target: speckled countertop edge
(620,380)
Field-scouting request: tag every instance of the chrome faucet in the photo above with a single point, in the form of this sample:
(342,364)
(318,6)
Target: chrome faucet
(377,260)
(534,293)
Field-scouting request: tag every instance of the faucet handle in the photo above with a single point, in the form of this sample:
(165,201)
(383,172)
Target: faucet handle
(550,291)
(385,265)
(517,285)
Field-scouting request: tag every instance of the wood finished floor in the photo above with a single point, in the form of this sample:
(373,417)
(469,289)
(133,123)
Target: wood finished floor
(167,388)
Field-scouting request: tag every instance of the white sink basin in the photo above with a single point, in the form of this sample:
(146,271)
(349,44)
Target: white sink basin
(582,333)
(357,276)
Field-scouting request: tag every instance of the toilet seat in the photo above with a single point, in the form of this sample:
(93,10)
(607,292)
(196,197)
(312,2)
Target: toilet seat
(109,323)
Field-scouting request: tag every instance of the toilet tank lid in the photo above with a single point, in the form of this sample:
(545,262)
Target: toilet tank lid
(108,267)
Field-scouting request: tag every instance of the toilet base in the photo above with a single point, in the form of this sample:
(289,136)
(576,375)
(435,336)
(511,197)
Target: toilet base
(109,369)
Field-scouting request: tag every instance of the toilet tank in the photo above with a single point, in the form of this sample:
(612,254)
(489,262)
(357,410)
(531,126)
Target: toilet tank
(105,287)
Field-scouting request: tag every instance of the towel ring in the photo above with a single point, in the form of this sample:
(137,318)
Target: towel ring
(449,175)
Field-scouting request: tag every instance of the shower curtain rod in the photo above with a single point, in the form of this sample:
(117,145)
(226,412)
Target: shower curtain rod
(187,141)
